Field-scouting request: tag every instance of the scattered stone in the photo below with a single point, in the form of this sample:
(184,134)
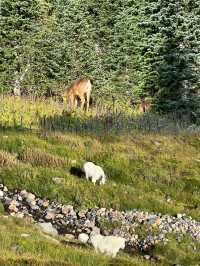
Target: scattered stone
(83,238)
(67,209)
(55,218)
(58,180)
(50,216)
(147,257)
(23,193)
(45,204)
(48,228)
(5,189)
(13,206)
(30,198)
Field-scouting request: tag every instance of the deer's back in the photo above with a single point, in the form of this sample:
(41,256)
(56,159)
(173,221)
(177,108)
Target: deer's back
(80,86)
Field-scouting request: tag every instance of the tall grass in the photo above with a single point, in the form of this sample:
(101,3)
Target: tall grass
(104,117)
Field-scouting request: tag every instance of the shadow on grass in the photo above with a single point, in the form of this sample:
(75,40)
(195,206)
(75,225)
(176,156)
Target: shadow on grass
(76,171)
(110,122)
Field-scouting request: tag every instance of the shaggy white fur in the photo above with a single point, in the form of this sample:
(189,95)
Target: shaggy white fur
(109,245)
(94,172)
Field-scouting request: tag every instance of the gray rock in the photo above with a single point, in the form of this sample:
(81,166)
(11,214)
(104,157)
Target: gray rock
(48,228)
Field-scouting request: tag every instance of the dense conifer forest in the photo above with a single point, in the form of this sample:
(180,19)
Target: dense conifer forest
(138,48)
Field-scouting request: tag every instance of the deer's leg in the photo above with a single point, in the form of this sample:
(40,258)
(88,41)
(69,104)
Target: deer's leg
(75,102)
(82,101)
(88,100)
(71,101)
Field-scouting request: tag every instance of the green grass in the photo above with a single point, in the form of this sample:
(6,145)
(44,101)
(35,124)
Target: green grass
(140,173)
(153,172)
(36,249)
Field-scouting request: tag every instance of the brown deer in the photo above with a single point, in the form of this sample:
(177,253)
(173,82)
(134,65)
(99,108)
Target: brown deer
(80,88)
(144,105)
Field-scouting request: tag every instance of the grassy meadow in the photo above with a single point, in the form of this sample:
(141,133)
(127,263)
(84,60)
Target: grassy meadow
(151,164)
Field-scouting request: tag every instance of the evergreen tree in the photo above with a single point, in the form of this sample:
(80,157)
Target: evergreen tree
(19,22)
(169,52)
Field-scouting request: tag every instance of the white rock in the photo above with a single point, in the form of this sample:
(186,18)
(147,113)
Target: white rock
(110,245)
(147,257)
(58,180)
(179,215)
(83,238)
(23,193)
(30,198)
(48,228)
(5,189)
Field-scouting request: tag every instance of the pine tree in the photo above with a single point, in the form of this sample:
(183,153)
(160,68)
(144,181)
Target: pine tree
(19,22)
(169,52)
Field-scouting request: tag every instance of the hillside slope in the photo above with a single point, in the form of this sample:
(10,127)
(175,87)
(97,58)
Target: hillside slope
(154,172)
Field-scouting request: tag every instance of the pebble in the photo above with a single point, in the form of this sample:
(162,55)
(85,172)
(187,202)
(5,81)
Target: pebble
(58,180)
(147,257)
(50,216)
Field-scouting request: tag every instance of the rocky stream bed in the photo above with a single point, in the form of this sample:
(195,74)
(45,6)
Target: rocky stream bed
(67,220)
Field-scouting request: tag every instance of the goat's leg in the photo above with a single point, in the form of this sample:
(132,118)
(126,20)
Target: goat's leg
(94,181)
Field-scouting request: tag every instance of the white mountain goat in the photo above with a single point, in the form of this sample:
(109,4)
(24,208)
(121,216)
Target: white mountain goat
(94,172)
(109,245)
